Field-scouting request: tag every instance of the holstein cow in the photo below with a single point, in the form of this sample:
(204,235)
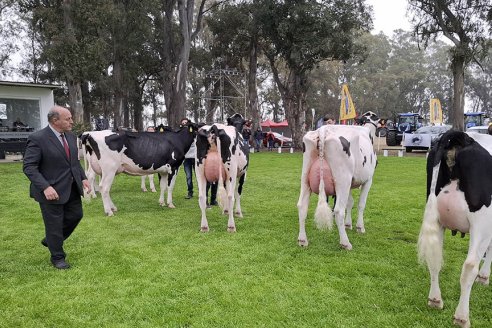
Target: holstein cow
(141,153)
(459,189)
(336,159)
(223,157)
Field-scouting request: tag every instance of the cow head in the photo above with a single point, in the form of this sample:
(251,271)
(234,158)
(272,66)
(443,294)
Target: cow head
(369,117)
(238,121)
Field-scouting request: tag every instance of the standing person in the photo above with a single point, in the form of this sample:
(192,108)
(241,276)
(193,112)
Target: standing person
(247,132)
(57,180)
(258,139)
(212,186)
(270,140)
(189,163)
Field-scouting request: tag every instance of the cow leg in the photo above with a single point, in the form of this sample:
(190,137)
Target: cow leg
(343,193)
(480,232)
(151,183)
(171,181)
(484,273)
(163,187)
(310,153)
(106,183)
(201,182)
(238,211)
(364,191)
(302,207)
(348,215)
(91,177)
(230,188)
(142,184)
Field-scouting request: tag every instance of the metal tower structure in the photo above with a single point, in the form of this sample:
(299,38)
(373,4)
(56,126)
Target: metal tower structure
(236,91)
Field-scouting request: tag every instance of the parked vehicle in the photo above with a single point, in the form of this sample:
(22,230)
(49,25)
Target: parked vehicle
(280,140)
(404,123)
(474,119)
(484,129)
(423,137)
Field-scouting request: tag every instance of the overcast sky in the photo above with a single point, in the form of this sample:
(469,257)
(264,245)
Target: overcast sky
(389,15)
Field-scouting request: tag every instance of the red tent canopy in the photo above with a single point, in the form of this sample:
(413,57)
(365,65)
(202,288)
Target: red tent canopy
(270,124)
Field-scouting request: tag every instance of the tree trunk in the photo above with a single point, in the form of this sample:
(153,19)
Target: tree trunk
(252,90)
(75,100)
(458,67)
(293,95)
(74,88)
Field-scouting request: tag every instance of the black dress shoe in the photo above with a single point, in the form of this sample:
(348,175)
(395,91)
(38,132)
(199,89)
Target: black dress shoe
(44,243)
(60,264)
(189,196)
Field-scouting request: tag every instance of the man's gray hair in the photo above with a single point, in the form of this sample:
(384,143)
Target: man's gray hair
(52,114)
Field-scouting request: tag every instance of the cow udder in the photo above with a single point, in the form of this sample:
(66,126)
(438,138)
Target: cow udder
(314,177)
(212,164)
(453,208)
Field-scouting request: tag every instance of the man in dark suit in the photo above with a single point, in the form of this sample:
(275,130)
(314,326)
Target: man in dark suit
(57,180)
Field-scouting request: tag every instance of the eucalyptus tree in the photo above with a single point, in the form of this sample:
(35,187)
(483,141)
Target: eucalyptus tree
(9,30)
(465,24)
(479,86)
(300,34)
(70,52)
(178,25)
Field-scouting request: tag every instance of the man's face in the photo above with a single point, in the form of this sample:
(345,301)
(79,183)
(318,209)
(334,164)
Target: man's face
(184,122)
(64,123)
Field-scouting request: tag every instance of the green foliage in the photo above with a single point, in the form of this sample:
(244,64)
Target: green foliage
(151,267)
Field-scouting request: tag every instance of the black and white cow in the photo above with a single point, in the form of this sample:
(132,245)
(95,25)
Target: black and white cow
(138,153)
(459,189)
(222,156)
(336,159)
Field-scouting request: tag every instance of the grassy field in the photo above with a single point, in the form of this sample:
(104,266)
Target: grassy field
(151,267)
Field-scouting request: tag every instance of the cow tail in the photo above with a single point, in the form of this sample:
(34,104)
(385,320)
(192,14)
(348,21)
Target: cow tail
(221,191)
(430,243)
(323,216)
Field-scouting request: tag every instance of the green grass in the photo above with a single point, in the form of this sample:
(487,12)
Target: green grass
(151,267)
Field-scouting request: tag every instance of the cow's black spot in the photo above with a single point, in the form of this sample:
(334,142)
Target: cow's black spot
(345,145)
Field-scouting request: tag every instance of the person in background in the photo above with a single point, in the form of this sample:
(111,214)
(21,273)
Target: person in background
(212,186)
(247,132)
(189,163)
(57,180)
(270,140)
(258,136)
(328,120)
(18,123)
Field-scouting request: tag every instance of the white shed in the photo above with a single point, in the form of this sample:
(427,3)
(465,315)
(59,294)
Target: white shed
(27,103)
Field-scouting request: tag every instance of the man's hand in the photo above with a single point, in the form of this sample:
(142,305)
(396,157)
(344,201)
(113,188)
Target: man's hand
(51,194)
(87,186)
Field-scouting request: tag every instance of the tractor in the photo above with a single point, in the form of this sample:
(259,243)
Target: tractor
(474,119)
(404,123)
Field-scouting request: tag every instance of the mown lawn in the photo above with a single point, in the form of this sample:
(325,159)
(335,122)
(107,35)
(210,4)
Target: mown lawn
(151,267)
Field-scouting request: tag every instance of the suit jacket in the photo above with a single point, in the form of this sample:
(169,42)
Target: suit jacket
(46,164)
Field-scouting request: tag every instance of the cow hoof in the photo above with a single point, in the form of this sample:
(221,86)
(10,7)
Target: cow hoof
(462,322)
(204,229)
(109,213)
(231,229)
(348,226)
(162,204)
(484,280)
(348,246)
(171,205)
(361,230)
(144,190)
(114,209)
(239,214)
(302,242)
(435,303)
(153,190)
